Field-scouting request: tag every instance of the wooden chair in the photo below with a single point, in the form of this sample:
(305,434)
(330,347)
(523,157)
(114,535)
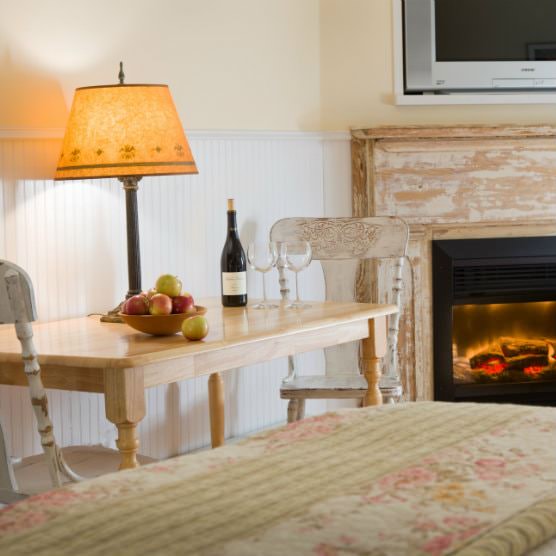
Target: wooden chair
(341,244)
(17,306)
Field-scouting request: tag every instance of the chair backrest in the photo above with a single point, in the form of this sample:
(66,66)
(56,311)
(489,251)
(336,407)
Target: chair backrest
(16,286)
(340,244)
(375,237)
(17,306)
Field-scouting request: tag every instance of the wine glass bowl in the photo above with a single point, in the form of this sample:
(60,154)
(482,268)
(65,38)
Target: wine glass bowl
(262,257)
(297,256)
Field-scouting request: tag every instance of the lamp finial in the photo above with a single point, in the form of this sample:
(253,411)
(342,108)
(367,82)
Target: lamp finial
(121,75)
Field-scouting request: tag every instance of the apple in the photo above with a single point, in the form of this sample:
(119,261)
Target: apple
(136,305)
(169,285)
(150,293)
(195,328)
(160,304)
(183,304)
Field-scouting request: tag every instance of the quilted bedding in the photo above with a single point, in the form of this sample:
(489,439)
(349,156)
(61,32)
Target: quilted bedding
(418,479)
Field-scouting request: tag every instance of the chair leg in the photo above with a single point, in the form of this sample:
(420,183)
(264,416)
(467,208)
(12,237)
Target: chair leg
(392,395)
(292,410)
(301,409)
(7,477)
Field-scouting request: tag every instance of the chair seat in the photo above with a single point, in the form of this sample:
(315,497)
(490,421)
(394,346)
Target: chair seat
(32,474)
(324,387)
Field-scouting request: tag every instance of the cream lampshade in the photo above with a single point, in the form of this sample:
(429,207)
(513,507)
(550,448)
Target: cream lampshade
(124,131)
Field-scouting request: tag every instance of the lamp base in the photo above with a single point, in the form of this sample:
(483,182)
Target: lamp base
(113,316)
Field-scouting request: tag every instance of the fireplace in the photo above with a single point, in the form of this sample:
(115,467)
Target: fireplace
(494,320)
(451,183)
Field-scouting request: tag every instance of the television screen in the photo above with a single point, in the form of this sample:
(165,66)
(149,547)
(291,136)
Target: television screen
(495,30)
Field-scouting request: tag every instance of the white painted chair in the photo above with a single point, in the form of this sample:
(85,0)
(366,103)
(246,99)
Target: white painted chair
(17,306)
(341,245)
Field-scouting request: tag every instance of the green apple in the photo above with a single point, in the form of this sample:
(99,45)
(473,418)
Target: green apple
(168,285)
(195,328)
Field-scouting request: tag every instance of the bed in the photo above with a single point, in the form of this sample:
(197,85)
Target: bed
(421,478)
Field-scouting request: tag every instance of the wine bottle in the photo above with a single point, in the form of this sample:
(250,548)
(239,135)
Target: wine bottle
(233,265)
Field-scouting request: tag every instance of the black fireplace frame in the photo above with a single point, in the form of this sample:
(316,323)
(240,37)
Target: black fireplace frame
(491,270)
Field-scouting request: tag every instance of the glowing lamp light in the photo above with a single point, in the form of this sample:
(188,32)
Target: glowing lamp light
(127,132)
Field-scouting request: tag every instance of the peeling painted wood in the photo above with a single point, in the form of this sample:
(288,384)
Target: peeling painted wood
(449,182)
(341,245)
(446,132)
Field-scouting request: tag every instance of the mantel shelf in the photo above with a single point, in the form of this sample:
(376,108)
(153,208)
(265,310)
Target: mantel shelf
(484,132)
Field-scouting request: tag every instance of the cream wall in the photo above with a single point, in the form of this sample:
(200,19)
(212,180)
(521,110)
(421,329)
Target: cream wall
(357,75)
(242,64)
(245,64)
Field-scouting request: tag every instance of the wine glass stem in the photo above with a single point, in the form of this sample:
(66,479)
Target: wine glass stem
(264,288)
(297,300)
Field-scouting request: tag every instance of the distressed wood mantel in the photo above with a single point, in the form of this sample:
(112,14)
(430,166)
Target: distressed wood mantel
(449,182)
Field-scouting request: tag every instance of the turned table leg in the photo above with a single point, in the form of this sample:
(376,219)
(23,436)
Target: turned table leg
(373,349)
(216,409)
(128,445)
(124,394)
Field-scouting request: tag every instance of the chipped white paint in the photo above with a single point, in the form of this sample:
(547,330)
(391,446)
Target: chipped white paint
(340,244)
(452,183)
(17,290)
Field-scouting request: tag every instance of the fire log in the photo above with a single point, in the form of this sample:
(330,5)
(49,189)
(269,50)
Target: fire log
(491,354)
(513,347)
(521,362)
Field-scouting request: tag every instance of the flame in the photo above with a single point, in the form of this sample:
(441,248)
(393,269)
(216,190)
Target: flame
(493,367)
(477,348)
(533,371)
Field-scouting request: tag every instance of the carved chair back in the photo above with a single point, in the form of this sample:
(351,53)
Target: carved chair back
(341,244)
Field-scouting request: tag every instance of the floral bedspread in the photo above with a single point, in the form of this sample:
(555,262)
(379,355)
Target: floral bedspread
(417,479)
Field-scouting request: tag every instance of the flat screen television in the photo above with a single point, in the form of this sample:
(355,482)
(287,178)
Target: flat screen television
(479,45)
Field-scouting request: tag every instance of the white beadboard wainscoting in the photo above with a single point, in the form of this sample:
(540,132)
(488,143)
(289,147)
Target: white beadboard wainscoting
(70,237)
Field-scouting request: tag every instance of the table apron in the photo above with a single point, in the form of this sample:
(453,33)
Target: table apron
(280,346)
(257,351)
(60,377)
(90,379)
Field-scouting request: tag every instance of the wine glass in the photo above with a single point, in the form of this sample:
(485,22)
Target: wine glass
(297,256)
(262,257)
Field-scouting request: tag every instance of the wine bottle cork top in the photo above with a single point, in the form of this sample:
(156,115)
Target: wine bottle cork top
(231,204)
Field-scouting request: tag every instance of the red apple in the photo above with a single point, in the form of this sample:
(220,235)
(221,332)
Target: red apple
(160,304)
(169,285)
(183,304)
(195,328)
(136,305)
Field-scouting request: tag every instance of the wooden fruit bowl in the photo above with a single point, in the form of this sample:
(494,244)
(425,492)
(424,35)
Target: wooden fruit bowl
(160,325)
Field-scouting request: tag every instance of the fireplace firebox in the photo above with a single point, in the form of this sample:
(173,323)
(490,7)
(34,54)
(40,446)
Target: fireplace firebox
(494,320)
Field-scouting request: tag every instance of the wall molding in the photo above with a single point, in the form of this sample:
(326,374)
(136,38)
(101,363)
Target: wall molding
(58,133)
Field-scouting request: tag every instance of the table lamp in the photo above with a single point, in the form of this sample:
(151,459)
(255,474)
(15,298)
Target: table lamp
(126,132)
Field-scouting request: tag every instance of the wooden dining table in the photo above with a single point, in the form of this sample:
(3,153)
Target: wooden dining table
(85,355)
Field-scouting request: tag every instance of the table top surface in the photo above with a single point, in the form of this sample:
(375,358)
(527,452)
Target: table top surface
(86,342)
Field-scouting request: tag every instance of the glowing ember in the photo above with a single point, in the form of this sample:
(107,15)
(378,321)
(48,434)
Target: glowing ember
(493,367)
(533,371)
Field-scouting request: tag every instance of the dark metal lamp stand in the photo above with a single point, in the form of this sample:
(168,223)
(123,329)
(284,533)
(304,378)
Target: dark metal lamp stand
(131,185)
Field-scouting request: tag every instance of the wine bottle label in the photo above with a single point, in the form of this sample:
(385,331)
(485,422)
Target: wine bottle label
(234,283)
